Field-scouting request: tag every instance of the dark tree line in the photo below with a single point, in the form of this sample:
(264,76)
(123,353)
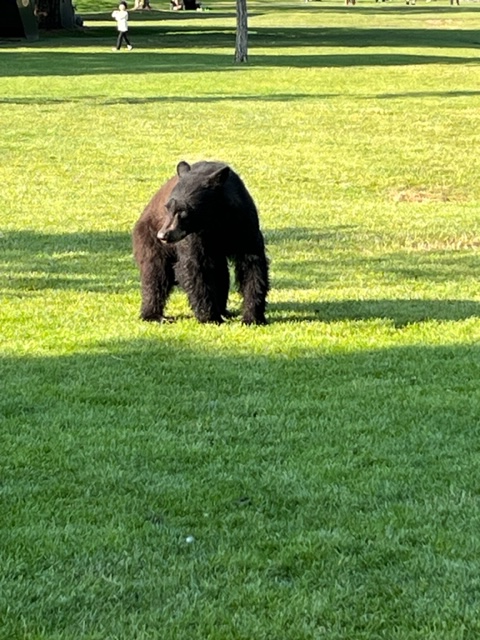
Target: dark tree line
(48,14)
(54,14)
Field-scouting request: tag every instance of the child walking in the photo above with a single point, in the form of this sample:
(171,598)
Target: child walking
(121,16)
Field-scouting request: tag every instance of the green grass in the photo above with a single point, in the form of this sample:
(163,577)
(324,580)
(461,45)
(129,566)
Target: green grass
(327,465)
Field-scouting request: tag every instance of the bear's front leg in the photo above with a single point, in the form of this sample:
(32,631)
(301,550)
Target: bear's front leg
(205,281)
(157,283)
(157,278)
(203,300)
(156,264)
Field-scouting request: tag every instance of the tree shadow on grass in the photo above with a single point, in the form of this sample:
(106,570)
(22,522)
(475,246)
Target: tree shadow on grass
(331,264)
(328,237)
(340,248)
(358,38)
(99,261)
(39,63)
(321,468)
(198,37)
(382,9)
(103,262)
(454,93)
(38,59)
(208,99)
(159,16)
(334,254)
(205,99)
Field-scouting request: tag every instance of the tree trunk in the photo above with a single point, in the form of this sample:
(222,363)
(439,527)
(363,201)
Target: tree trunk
(241,44)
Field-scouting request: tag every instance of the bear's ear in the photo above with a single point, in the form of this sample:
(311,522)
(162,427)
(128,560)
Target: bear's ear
(219,177)
(183,168)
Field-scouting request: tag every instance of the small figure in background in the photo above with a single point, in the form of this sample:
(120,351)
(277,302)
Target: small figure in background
(121,17)
(142,4)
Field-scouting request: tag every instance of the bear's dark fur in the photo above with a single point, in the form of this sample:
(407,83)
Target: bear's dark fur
(200,219)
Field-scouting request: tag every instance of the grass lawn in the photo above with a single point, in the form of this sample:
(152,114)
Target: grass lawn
(315,478)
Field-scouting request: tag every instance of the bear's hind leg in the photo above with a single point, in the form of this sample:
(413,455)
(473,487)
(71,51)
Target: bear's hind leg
(252,279)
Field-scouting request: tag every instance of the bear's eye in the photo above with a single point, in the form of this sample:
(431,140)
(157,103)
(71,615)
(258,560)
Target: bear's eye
(182,214)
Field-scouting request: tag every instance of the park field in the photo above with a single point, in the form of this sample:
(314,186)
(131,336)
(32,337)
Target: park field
(316,478)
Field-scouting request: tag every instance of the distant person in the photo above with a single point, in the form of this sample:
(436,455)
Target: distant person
(176,5)
(192,5)
(121,17)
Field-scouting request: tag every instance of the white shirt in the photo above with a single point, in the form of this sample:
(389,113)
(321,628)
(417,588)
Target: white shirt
(121,17)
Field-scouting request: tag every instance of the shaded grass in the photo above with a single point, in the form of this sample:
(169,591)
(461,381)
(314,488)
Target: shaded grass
(352,541)
(326,465)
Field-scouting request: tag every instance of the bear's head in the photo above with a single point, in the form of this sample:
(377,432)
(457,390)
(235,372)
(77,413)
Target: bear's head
(192,200)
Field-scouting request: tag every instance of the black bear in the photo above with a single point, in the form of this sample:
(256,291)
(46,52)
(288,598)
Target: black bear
(198,221)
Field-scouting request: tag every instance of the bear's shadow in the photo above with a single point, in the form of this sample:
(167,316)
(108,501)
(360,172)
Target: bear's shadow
(400,312)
